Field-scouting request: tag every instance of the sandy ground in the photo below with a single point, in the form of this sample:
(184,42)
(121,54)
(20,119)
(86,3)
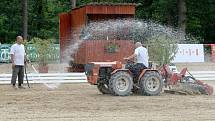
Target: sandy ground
(83,102)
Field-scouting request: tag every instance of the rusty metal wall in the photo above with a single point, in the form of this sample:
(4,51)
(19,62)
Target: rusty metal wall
(65,31)
(78,18)
(95,50)
(80,55)
(113,9)
(70,24)
(98,17)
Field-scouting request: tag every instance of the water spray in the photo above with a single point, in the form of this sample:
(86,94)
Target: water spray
(50,86)
(33,68)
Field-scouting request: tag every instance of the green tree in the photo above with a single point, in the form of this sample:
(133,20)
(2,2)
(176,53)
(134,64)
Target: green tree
(25,18)
(43,18)
(44,21)
(10,20)
(182,9)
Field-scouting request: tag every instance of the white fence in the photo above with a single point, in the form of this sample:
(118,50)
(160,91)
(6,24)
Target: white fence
(81,77)
(48,78)
(204,75)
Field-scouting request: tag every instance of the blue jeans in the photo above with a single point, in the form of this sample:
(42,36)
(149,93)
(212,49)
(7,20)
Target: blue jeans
(136,69)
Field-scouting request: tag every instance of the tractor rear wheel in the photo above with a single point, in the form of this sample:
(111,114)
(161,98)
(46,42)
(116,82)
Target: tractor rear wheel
(120,83)
(151,84)
(103,88)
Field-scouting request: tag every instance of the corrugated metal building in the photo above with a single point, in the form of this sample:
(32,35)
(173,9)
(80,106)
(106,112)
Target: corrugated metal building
(94,50)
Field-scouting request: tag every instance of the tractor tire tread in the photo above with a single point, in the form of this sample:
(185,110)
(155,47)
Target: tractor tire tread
(143,90)
(114,77)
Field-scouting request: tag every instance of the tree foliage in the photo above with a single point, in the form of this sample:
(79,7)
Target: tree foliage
(43,21)
(45,50)
(162,49)
(42,18)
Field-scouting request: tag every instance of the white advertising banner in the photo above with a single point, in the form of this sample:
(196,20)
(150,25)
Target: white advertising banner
(189,53)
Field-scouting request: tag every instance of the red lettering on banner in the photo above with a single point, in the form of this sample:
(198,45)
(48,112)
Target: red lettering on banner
(213,52)
(197,52)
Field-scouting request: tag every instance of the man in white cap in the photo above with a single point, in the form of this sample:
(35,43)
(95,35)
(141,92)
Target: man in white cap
(141,55)
(17,54)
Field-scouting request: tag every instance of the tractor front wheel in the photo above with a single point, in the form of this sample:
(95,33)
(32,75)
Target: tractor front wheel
(121,83)
(151,84)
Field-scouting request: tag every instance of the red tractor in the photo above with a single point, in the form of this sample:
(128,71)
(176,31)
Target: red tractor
(113,78)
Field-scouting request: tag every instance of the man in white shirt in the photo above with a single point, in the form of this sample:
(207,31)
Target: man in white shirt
(17,54)
(141,55)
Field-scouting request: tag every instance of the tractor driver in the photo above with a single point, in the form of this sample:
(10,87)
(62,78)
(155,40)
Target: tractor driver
(141,56)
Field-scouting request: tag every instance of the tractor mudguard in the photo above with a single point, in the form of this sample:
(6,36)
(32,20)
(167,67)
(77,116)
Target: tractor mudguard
(126,70)
(144,71)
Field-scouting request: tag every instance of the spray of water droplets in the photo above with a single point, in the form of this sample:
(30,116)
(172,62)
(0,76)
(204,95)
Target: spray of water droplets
(121,29)
(129,29)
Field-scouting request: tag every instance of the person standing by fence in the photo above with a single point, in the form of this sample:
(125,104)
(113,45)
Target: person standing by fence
(17,54)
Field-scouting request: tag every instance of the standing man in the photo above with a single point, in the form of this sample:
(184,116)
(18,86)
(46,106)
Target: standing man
(141,55)
(17,54)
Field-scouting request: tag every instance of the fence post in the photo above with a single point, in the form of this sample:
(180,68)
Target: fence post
(213,52)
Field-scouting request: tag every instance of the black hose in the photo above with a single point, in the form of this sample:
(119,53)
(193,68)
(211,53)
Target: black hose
(191,75)
(26,76)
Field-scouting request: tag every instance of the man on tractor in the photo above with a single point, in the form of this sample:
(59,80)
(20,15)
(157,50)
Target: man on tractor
(141,56)
(112,78)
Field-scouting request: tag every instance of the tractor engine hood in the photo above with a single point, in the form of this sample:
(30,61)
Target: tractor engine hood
(95,66)
(108,64)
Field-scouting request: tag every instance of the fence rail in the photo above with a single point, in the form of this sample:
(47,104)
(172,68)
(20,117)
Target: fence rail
(204,75)
(48,78)
(81,77)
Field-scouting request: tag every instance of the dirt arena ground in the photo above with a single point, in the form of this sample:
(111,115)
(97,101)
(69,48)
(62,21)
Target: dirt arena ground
(82,102)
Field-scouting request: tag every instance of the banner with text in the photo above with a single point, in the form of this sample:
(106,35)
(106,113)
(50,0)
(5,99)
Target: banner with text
(189,53)
(31,51)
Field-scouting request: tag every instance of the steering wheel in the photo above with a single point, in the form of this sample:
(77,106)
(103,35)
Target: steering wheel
(129,61)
